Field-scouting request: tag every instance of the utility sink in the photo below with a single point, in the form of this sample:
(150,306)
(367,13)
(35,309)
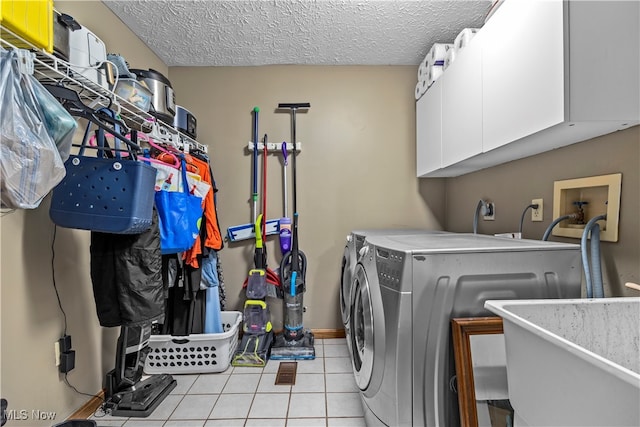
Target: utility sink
(572,362)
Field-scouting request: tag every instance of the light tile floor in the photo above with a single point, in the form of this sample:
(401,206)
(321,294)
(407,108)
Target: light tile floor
(325,395)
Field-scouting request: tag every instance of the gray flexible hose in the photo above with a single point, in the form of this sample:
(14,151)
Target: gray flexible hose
(585,254)
(555,222)
(481,203)
(596,267)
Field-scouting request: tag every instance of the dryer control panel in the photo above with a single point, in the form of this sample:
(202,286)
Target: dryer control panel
(389,265)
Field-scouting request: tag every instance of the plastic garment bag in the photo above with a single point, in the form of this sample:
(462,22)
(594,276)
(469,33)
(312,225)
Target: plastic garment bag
(61,126)
(30,164)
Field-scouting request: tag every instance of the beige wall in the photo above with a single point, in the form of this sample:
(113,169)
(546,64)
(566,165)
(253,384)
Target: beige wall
(512,186)
(356,168)
(30,319)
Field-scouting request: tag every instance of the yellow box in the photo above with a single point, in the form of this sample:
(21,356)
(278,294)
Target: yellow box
(30,19)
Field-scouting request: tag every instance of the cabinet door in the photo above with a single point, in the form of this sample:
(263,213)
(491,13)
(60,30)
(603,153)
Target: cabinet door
(429,130)
(523,70)
(462,105)
(605,64)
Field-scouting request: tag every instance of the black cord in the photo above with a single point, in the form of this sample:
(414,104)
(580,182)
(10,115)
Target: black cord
(66,380)
(532,206)
(101,408)
(53,276)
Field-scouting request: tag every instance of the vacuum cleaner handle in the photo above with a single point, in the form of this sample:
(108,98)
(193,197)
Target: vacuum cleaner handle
(254,195)
(287,273)
(295,105)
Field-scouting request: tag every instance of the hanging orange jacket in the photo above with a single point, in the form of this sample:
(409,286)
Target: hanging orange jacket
(213,238)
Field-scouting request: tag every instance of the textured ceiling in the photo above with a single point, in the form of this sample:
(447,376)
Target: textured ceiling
(310,32)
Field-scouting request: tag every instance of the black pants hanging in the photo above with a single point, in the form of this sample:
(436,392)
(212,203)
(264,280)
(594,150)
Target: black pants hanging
(185,302)
(126,273)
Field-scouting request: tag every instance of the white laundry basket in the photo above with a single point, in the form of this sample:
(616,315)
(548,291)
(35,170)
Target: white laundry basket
(197,353)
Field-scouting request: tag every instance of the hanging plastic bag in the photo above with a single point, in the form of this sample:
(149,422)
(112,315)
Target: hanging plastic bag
(30,164)
(180,214)
(60,124)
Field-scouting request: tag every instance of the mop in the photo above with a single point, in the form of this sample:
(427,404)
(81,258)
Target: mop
(260,257)
(293,342)
(246,231)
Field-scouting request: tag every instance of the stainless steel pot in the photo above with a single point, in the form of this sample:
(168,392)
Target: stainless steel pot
(163,101)
(63,24)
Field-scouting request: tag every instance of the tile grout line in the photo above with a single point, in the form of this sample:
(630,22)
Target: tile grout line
(256,391)
(326,397)
(324,380)
(253,399)
(179,401)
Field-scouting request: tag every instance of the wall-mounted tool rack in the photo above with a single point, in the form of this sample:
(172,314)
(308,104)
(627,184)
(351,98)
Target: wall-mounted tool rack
(275,146)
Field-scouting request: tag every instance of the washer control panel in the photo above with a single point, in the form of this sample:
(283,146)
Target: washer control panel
(389,265)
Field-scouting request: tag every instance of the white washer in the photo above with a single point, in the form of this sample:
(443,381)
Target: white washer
(355,241)
(405,291)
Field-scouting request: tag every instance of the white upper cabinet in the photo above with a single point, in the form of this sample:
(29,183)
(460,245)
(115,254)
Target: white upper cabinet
(523,71)
(604,73)
(541,74)
(429,154)
(462,106)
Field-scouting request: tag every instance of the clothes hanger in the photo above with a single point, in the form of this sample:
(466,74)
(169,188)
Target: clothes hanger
(101,136)
(146,155)
(172,156)
(171,152)
(199,154)
(156,161)
(71,101)
(136,137)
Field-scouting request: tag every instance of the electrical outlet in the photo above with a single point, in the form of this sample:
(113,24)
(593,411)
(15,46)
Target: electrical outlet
(56,349)
(65,343)
(536,214)
(67,361)
(490,212)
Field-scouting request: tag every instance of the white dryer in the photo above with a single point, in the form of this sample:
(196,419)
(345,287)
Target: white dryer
(355,241)
(405,291)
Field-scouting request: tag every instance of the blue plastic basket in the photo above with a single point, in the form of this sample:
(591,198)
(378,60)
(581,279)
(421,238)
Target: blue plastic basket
(106,195)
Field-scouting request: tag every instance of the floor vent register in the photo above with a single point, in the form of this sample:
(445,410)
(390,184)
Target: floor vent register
(286,373)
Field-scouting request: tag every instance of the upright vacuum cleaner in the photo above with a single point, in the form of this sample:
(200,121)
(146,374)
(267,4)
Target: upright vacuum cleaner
(293,342)
(127,395)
